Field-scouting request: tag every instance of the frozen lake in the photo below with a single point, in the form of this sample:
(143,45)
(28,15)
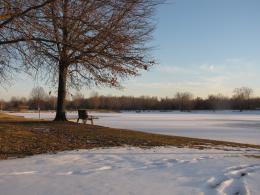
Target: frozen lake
(235,126)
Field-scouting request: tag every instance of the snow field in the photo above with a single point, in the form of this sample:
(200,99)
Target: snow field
(133,171)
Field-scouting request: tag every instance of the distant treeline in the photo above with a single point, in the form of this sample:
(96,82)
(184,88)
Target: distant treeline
(177,103)
(241,100)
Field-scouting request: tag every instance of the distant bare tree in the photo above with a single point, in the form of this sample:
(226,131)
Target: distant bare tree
(94,100)
(217,102)
(184,100)
(77,99)
(2,102)
(81,42)
(38,95)
(242,96)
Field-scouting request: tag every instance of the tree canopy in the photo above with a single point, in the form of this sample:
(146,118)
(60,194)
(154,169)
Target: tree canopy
(78,42)
(12,15)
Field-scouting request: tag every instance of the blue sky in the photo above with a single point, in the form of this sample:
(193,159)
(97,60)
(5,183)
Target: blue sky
(202,46)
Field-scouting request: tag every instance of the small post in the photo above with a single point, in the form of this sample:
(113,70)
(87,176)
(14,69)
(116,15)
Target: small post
(39,109)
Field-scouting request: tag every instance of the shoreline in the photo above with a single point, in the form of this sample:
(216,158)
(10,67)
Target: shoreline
(22,137)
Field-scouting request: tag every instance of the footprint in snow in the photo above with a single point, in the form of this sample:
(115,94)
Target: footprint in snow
(85,172)
(104,168)
(22,173)
(242,167)
(231,182)
(195,160)
(233,187)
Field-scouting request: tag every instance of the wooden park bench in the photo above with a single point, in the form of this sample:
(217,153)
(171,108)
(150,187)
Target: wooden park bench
(84,116)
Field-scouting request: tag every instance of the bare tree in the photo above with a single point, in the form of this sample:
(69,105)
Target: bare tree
(218,102)
(96,42)
(184,100)
(242,96)
(78,98)
(38,95)
(94,100)
(2,102)
(11,9)
(12,13)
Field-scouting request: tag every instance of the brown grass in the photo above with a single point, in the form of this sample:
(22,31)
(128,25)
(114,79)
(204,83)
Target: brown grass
(21,137)
(4,117)
(253,156)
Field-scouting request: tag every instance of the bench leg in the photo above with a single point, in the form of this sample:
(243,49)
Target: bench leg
(92,122)
(78,120)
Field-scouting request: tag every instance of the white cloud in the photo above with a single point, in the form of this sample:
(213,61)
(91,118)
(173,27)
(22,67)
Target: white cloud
(171,69)
(207,67)
(204,79)
(234,60)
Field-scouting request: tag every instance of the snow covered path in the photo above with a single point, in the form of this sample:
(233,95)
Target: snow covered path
(133,171)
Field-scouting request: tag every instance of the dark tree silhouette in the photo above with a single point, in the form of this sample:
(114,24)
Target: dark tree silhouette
(184,100)
(242,96)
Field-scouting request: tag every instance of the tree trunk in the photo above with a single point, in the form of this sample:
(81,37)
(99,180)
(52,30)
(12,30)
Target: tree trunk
(61,107)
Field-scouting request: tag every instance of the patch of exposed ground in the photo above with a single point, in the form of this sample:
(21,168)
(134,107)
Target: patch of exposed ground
(21,137)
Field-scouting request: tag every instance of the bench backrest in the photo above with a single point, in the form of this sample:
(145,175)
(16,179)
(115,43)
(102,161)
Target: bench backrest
(83,114)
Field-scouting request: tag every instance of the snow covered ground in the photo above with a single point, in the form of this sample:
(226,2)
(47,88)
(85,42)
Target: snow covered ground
(135,171)
(235,126)
(132,171)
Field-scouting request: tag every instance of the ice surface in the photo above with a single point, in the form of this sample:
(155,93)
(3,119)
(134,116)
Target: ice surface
(221,125)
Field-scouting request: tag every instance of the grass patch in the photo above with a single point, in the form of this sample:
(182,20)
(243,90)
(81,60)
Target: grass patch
(21,137)
(5,117)
(253,156)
